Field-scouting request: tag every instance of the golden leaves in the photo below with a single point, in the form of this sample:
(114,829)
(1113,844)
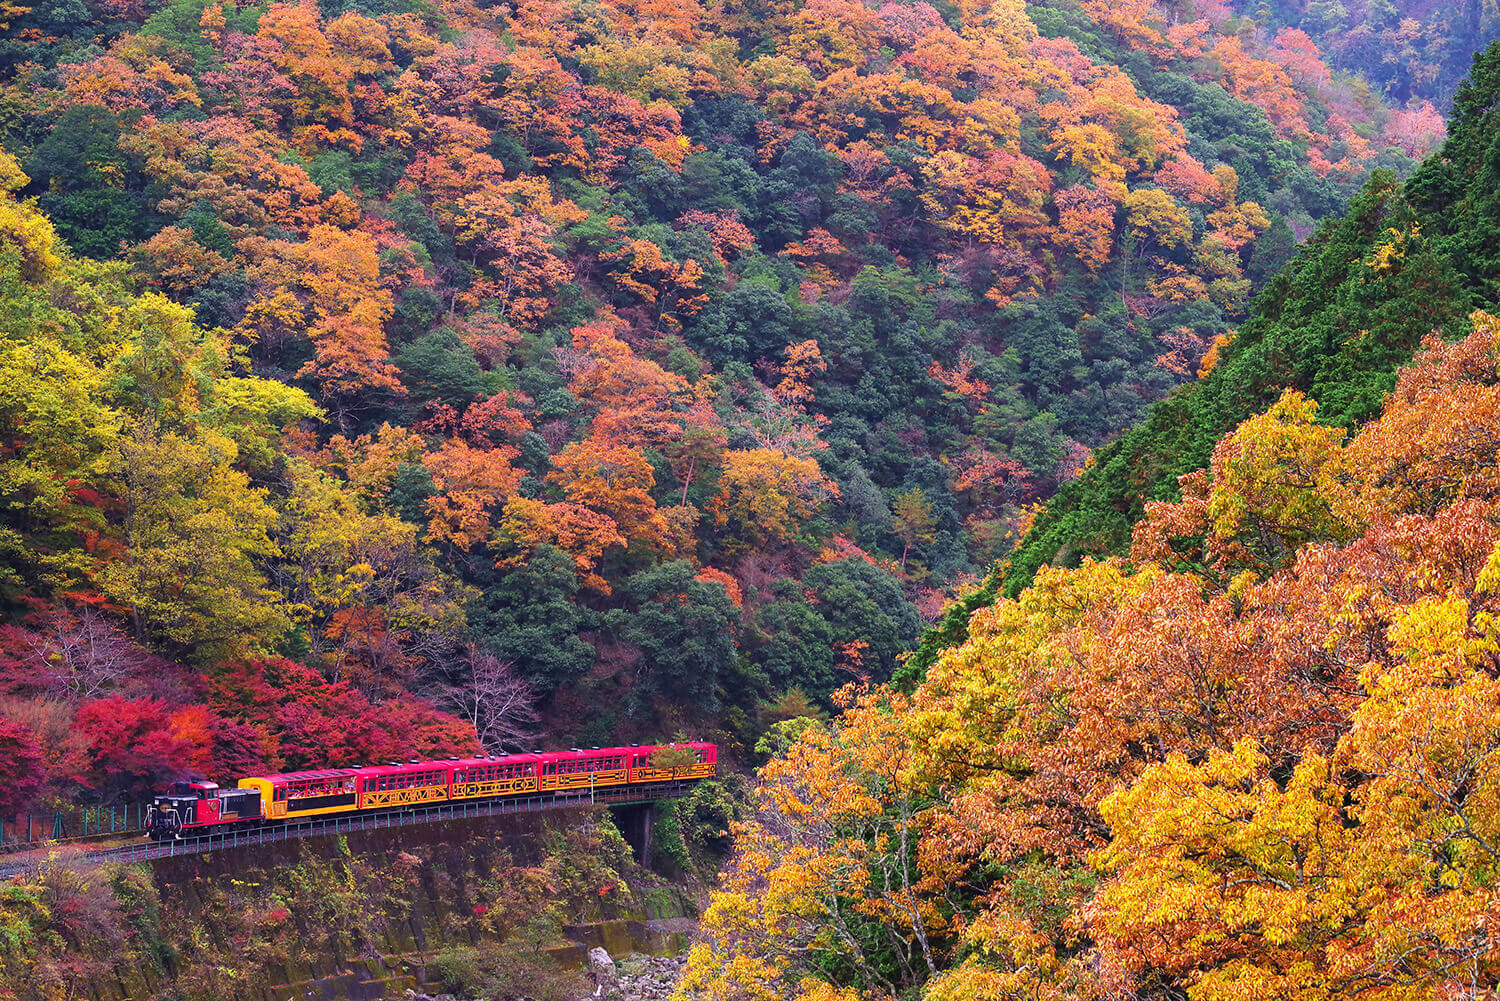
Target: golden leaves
(1282,759)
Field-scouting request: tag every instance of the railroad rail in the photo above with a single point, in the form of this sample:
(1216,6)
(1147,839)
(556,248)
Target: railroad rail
(345,823)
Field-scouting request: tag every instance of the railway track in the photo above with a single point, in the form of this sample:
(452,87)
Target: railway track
(249,837)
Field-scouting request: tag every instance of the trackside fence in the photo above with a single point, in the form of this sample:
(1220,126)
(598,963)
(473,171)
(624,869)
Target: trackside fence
(73,823)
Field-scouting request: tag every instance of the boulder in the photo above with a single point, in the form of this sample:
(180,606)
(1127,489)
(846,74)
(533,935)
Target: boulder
(602,970)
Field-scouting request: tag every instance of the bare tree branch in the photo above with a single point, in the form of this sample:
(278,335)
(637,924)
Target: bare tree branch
(80,654)
(489,694)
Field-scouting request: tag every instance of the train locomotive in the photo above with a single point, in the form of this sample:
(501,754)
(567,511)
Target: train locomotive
(198,807)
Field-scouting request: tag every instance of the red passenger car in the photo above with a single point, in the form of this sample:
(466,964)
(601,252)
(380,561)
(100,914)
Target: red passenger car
(397,786)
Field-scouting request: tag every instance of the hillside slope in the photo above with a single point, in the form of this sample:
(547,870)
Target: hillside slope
(1258,756)
(1405,261)
(422,373)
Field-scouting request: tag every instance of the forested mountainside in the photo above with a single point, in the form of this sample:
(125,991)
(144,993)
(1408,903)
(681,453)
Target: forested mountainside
(1256,757)
(1405,261)
(372,375)
(1405,49)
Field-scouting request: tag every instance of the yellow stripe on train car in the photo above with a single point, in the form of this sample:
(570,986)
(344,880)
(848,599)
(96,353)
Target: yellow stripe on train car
(701,770)
(405,797)
(501,787)
(585,780)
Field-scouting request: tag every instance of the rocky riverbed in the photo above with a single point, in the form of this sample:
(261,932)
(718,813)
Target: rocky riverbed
(636,977)
(642,978)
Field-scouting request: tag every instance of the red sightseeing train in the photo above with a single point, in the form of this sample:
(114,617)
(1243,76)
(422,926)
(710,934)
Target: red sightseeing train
(193,806)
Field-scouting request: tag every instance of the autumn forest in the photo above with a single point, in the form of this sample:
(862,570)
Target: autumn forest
(1054,442)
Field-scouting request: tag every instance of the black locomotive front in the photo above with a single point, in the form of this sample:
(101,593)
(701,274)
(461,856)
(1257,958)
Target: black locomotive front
(170,813)
(186,806)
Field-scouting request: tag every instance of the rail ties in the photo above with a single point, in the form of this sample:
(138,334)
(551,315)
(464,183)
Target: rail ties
(346,822)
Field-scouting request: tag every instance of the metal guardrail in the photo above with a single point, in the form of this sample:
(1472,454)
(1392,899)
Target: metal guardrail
(245,836)
(74,823)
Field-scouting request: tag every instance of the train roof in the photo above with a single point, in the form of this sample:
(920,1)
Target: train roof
(398,767)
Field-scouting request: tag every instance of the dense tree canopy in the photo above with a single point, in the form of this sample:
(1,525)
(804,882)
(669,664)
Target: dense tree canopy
(677,357)
(1406,260)
(1256,759)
